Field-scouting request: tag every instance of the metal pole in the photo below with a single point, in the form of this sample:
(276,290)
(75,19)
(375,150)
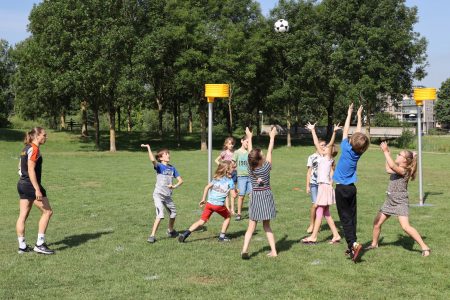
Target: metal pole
(210,130)
(419,146)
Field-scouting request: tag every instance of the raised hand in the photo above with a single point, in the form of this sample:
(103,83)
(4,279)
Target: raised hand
(273,132)
(145,145)
(248,133)
(310,126)
(360,109)
(350,108)
(384,147)
(337,127)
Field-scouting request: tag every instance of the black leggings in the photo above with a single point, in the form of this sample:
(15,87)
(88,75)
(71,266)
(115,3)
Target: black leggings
(346,207)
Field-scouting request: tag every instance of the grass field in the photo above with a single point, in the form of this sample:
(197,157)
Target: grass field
(103,210)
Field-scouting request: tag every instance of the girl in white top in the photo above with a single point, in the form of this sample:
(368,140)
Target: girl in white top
(325,194)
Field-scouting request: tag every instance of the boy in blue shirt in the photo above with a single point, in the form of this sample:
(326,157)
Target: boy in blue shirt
(345,178)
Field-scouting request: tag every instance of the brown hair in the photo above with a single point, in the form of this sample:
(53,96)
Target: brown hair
(360,142)
(32,134)
(334,151)
(223,169)
(411,167)
(160,153)
(228,139)
(254,157)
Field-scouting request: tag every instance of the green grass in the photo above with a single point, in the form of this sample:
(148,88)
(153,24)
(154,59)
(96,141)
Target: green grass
(103,210)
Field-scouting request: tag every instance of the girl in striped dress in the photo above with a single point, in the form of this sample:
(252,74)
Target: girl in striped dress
(325,194)
(262,205)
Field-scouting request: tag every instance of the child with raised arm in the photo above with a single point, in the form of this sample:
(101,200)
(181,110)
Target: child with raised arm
(240,158)
(325,195)
(218,189)
(312,185)
(397,203)
(162,195)
(345,177)
(227,155)
(262,204)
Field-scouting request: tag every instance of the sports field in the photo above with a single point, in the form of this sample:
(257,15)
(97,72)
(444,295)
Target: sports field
(103,211)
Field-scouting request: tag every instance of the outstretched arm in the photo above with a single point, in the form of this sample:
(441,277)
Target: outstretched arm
(150,154)
(205,193)
(390,162)
(272,134)
(312,128)
(249,135)
(329,148)
(359,115)
(347,122)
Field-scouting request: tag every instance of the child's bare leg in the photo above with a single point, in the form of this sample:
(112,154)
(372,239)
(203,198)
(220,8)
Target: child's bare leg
(240,203)
(316,228)
(171,224)
(225,225)
(248,235)
(379,220)
(270,238)
(196,225)
(404,222)
(312,218)
(155,226)
(330,221)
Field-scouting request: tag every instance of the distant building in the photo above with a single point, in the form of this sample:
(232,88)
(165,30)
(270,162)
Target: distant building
(406,111)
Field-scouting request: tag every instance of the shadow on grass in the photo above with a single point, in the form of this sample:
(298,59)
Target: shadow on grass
(232,236)
(78,239)
(426,194)
(11,135)
(281,245)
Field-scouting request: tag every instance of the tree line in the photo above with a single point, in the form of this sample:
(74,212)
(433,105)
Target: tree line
(117,57)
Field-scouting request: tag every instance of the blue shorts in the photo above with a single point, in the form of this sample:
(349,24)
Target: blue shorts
(313,188)
(234,176)
(244,185)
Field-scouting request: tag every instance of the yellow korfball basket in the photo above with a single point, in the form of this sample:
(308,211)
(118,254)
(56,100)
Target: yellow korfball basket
(216,91)
(423,94)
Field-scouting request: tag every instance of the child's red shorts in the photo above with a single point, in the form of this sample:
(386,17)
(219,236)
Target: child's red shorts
(209,209)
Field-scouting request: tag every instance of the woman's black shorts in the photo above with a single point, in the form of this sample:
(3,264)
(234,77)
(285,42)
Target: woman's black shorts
(27,191)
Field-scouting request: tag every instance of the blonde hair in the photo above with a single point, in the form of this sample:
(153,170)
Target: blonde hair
(32,134)
(411,164)
(223,169)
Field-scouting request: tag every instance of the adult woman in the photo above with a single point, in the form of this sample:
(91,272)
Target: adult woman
(31,191)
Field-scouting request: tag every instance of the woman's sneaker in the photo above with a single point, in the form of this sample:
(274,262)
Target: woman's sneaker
(224,239)
(151,239)
(26,249)
(43,249)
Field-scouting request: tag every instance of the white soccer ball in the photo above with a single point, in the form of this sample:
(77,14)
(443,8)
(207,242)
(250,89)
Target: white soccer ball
(281,25)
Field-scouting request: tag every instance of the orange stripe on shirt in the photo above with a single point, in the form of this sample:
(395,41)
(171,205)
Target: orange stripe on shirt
(35,153)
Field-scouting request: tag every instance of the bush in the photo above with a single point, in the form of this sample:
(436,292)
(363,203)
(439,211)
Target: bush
(437,131)
(384,119)
(406,140)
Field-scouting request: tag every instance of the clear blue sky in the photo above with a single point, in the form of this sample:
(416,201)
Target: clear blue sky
(433,19)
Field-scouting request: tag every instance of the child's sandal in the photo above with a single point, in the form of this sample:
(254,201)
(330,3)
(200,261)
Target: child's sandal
(425,251)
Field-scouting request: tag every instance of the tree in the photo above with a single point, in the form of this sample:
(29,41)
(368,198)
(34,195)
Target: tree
(442,106)
(6,72)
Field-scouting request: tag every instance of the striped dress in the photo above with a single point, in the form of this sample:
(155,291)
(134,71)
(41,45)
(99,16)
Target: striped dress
(262,204)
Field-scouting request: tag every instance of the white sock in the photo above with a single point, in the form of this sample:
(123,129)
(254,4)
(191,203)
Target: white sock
(40,239)
(22,244)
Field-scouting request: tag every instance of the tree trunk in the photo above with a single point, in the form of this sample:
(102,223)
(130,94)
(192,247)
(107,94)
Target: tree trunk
(203,146)
(288,123)
(97,128)
(175,120)
(84,120)
(160,116)
(190,119)
(63,120)
(179,124)
(118,119)
(330,117)
(129,123)
(112,129)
